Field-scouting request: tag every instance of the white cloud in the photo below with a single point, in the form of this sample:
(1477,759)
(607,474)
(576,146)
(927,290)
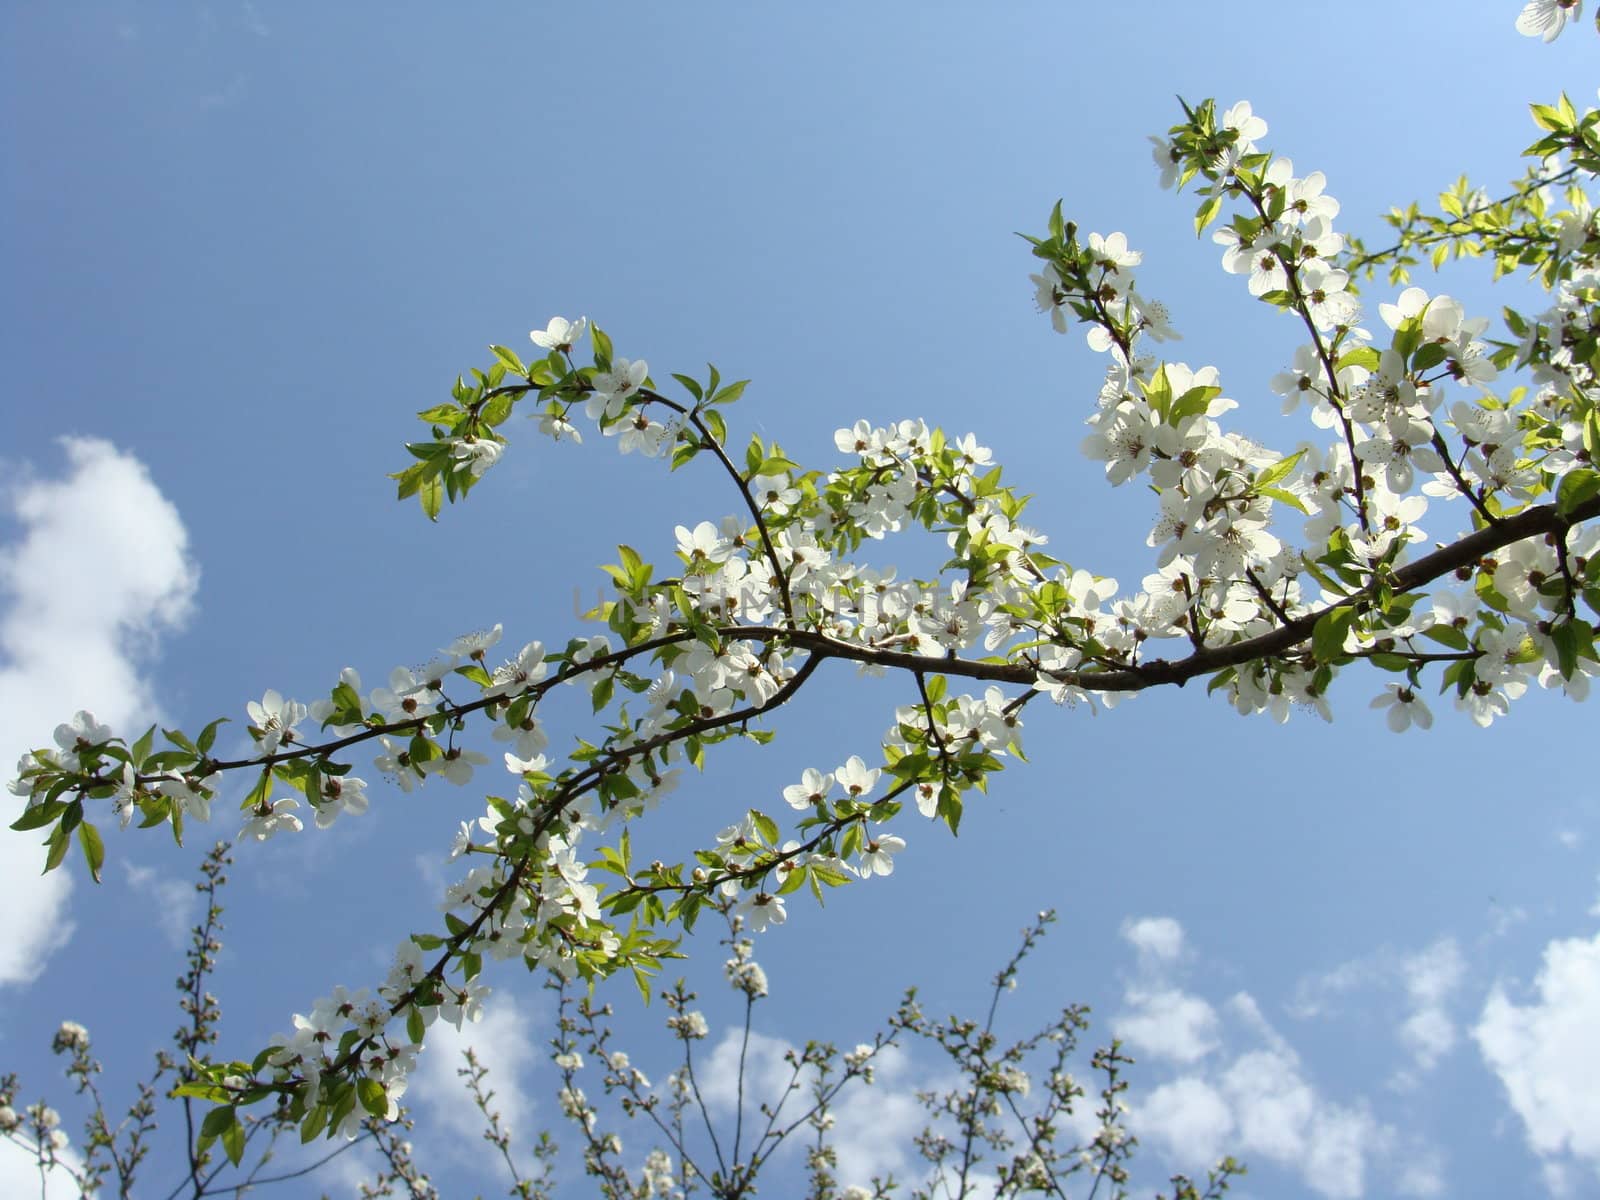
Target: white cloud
(1250,1096)
(1317,996)
(99,570)
(874,1125)
(1547,1055)
(1159,939)
(1260,1107)
(766,1073)
(1189,1117)
(504,1042)
(1420,1173)
(1429,979)
(1571,839)
(1167,1023)
(19,1174)
(1428,1032)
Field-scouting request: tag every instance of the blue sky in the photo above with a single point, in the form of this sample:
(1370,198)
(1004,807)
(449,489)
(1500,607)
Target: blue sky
(247,243)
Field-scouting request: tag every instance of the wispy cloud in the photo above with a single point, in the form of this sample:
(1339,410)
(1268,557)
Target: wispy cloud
(99,571)
(1242,1088)
(1432,978)
(1429,980)
(173,899)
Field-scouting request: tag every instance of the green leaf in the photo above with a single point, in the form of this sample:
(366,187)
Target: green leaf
(1279,471)
(1547,118)
(1192,403)
(39,815)
(373,1098)
(1328,635)
(775,464)
(718,427)
(1283,497)
(141,748)
(950,808)
(233,1142)
(258,793)
(1575,488)
(509,357)
(476,673)
(412,478)
(690,386)
(1447,635)
(442,414)
(1364,356)
(208,735)
(730,393)
(603,688)
(1430,354)
(416,1028)
(217,1120)
(315,1120)
(201,1089)
(94,850)
(602,347)
(497,410)
(431,494)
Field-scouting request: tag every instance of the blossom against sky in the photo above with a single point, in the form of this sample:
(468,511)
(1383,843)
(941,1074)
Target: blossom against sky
(248,245)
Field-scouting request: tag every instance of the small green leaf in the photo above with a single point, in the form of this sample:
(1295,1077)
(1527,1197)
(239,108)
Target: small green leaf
(373,1098)
(1429,354)
(1329,633)
(314,1122)
(217,1120)
(1575,488)
(1447,635)
(442,414)
(141,748)
(208,735)
(200,1089)
(1206,213)
(1279,471)
(475,673)
(497,410)
(39,815)
(602,347)
(508,356)
(730,393)
(94,850)
(431,494)
(1283,497)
